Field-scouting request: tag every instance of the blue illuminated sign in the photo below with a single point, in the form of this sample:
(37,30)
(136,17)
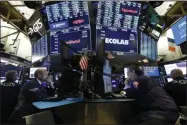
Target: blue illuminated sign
(116,39)
(179,30)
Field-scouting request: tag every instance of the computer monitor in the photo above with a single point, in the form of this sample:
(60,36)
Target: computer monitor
(151,71)
(33,69)
(169,79)
(125,72)
(107,71)
(180,65)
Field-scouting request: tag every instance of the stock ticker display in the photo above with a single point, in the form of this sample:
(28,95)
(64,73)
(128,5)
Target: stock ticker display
(117,23)
(148,46)
(40,47)
(118,14)
(69,22)
(67,14)
(76,37)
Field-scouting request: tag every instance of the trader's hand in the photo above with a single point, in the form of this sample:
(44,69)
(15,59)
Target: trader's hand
(50,81)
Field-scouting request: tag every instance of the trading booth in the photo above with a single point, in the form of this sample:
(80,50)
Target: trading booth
(112,35)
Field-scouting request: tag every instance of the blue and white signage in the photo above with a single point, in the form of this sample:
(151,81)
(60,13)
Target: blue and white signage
(117,39)
(179,30)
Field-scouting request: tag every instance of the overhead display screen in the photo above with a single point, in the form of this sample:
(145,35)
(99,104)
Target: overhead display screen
(67,14)
(76,38)
(117,24)
(148,46)
(118,14)
(117,39)
(40,48)
(179,30)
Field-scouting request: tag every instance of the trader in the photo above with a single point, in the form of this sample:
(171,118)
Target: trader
(31,92)
(9,93)
(177,88)
(155,106)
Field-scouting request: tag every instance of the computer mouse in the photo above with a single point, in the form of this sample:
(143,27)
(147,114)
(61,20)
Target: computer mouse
(123,93)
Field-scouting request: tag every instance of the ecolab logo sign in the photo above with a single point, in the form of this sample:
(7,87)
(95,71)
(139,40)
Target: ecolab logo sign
(73,41)
(78,21)
(116,41)
(128,11)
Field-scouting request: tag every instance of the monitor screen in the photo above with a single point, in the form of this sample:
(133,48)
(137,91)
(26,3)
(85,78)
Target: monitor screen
(169,67)
(117,24)
(117,39)
(77,38)
(148,46)
(67,14)
(120,14)
(179,30)
(125,72)
(107,68)
(32,71)
(40,48)
(107,71)
(169,79)
(151,71)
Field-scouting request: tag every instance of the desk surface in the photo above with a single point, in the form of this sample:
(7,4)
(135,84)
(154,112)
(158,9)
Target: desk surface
(47,105)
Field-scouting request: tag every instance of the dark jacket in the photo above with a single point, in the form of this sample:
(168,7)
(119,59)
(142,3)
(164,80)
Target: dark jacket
(153,101)
(178,90)
(30,92)
(9,94)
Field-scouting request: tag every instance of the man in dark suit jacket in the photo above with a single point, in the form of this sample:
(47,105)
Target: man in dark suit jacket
(177,88)
(9,93)
(155,105)
(31,92)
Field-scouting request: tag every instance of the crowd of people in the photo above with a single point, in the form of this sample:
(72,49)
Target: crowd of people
(156,104)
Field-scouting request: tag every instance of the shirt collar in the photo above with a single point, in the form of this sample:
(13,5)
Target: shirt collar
(39,82)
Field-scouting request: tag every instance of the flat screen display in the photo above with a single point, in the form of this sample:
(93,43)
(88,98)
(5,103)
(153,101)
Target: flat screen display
(40,48)
(32,71)
(107,68)
(77,38)
(179,30)
(117,39)
(117,23)
(67,14)
(169,79)
(151,71)
(118,14)
(125,72)
(107,71)
(170,67)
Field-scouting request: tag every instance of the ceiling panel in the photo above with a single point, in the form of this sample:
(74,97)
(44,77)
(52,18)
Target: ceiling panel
(162,9)
(27,12)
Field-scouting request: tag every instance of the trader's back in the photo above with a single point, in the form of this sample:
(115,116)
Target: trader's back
(177,88)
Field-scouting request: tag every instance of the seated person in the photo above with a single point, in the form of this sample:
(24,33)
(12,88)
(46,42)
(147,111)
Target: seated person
(9,93)
(155,106)
(177,88)
(31,92)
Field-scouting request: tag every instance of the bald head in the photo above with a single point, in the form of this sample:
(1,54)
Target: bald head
(176,73)
(41,74)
